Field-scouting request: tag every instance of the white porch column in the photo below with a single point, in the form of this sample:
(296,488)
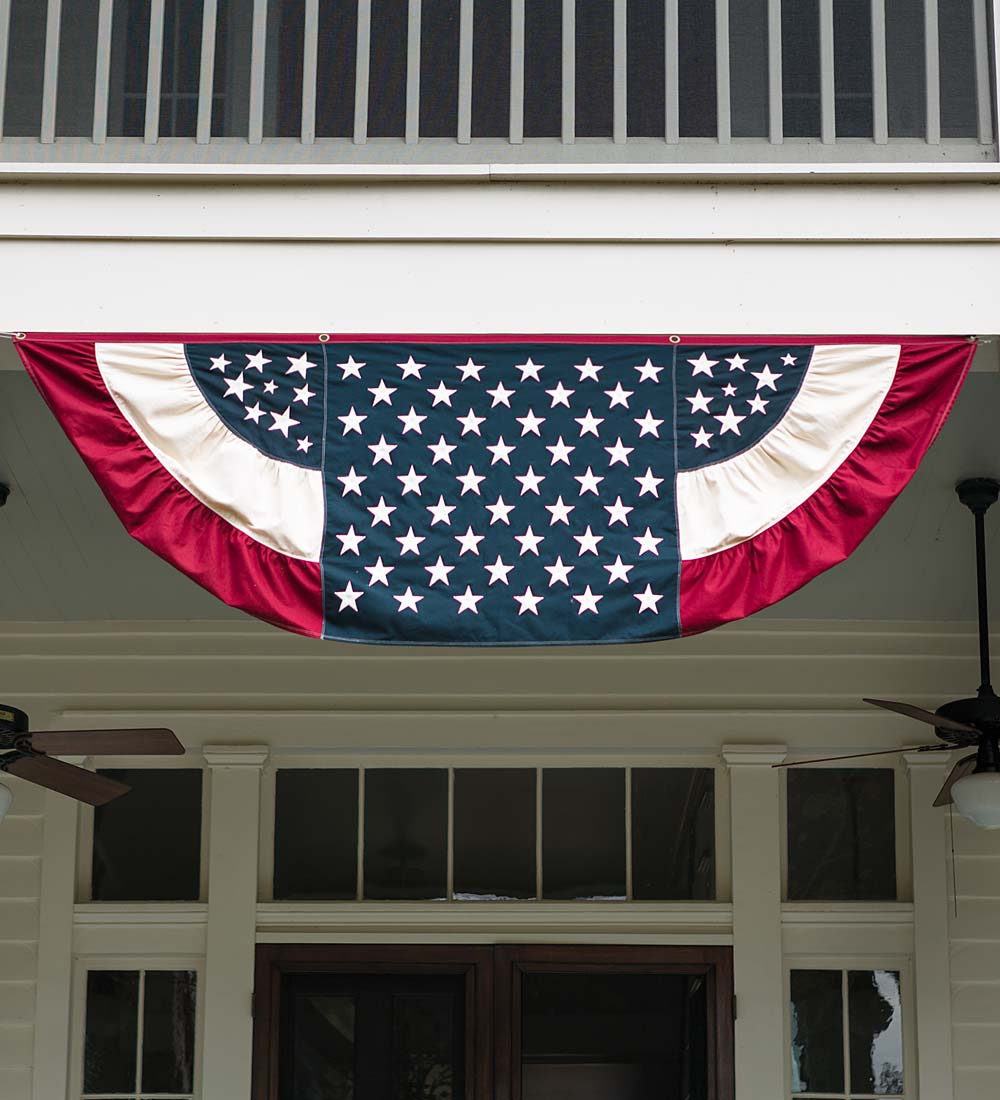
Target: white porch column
(932,964)
(755,789)
(234,800)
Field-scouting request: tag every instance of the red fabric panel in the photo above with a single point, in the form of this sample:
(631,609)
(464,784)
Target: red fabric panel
(156,509)
(828,527)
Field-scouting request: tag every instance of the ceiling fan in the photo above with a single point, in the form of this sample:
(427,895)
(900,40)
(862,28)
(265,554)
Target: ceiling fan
(26,754)
(973,784)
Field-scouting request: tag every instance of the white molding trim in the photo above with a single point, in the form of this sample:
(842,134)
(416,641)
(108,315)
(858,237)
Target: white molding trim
(754,755)
(235,756)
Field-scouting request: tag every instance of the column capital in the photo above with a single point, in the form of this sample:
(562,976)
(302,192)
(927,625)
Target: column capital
(931,759)
(235,756)
(754,755)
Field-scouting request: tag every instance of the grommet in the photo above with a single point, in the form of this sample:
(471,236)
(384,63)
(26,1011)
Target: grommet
(675,339)
(18,335)
(323,337)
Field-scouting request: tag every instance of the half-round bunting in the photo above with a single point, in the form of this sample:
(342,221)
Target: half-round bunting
(499,490)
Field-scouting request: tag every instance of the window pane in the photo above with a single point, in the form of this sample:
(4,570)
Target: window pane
(439,69)
(748,72)
(875,1016)
(958,68)
(841,834)
(641,1036)
(129,69)
(697,95)
(495,832)
(800,67)
(387,87)
(904,34)
(111,1031)
(406,833)
(316,833)
(645,61)
(336,60)
(231,95)
(491,70)
(283,71)
(595,73)
(323,1048)
(181,70)
(425,1048)
(542,68)
(817,1031)
(168,1031)
(852,68)
(147,844)
(583,833)
(77,64)
(25,61)
(673,833)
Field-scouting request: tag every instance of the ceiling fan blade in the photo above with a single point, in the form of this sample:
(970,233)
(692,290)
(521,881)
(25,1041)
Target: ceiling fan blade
(132,742)
(965,766)
(66,779)
(858,755)
(922,715)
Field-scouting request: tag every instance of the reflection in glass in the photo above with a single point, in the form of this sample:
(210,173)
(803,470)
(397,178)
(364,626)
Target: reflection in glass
(875,1016)
(168,1031)
(316,834)
(111,1031)
(323,1050)
(494,833)
(591,1036)
(583,833)
(673,834)
(817,1031)
(406,833)
(423,1059)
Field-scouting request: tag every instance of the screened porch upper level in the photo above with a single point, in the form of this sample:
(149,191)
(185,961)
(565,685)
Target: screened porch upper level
(466,82)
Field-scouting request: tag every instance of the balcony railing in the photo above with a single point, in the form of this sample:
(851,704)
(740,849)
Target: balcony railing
(423,81)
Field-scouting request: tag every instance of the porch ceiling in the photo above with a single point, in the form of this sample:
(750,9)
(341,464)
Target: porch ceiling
(65,557)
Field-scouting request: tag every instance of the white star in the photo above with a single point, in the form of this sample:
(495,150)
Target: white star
(500,511)
(470,369)
(701,439)
(439,573)
(381,394)
(529,542)
(558,573)
(617,512)
(304,444)
(352,482)
(501,396)
(349,597)
(529,369)
(408,601)
(703,365)
(220,362)
(501,451)
(648,425)
(588,601)
(236,387)
(470,422)
(352,422)
(729,390)
(588,542)
(729,421)
(619,396)
(302,394)
(648,600)
(529,481)
(788,359)
(409,543)
(467,600)
(498,571)
(618,570)
(379,573)
(758,404)
(298,365)
(560,452)
(351,369)
(381,451)
(441,394)
(441,451)
(766,377)
(350,541)
(588,482)
(699,403)
(441,512)
(737,363)
(588,370)
(470,481)
(619,453)
(589,424)
(411,369)
(560,512)
(269,386)
(530,422)
(411,481)
(560,395)
(469,542)
(648,483)
(528,601)
(411,421)
(258,362)
(282,422)
(381,512)
(648,543)
(649,373)
(254,413)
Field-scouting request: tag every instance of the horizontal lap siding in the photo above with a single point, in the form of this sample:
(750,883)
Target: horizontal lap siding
(20,858)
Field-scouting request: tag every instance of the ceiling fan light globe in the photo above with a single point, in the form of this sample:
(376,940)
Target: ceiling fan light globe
(6,797)
(977,798)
